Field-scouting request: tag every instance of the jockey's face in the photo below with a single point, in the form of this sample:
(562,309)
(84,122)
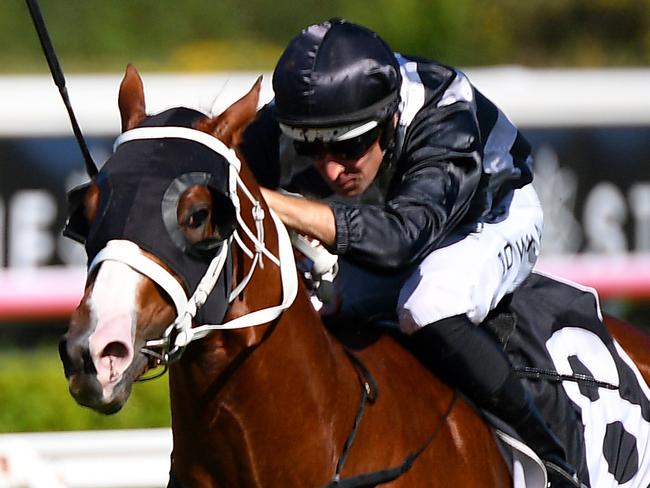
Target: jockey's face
(351,177)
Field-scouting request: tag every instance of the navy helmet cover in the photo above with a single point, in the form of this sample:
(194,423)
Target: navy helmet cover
(335,73)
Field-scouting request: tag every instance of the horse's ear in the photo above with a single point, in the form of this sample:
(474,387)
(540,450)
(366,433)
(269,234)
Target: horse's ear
(131,99)
(229,125)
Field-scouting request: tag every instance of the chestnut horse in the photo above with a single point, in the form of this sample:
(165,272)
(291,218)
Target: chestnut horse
(267,397)
(272,404)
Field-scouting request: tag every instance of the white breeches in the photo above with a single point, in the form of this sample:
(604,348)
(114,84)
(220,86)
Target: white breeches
(468,274)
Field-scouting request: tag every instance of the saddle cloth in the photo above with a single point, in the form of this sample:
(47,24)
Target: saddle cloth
(606,432)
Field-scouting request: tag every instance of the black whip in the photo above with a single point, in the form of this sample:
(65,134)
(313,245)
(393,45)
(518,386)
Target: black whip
(555,377)
(59,80)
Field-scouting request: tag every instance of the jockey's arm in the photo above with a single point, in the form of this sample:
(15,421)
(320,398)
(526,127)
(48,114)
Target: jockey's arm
(308,217)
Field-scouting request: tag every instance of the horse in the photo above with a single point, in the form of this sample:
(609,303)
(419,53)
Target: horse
(280,402)
(266,395)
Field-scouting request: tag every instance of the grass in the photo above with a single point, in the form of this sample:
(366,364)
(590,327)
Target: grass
(34,397)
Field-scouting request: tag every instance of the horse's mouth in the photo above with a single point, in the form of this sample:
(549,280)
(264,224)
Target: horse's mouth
(107,399)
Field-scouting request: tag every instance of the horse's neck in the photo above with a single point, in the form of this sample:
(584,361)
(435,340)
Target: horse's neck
(233,390)
(293,387)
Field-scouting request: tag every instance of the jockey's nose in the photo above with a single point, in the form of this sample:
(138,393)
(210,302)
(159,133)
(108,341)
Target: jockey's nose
(332,168)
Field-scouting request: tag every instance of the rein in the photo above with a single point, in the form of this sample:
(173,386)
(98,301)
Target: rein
(180,332)
(369,392)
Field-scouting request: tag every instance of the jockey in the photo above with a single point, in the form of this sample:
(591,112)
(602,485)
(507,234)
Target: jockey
(423,188)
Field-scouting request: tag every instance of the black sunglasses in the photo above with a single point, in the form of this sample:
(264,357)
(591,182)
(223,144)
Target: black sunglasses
(348,149)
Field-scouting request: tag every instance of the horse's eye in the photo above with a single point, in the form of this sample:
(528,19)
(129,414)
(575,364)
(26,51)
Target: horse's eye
(197,218)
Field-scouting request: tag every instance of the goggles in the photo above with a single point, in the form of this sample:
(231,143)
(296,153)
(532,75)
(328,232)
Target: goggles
(346,149)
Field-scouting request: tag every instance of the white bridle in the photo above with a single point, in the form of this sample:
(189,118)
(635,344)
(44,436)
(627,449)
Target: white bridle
(180,332)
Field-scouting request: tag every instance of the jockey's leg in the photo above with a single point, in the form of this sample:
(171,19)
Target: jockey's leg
(453,290)
(470,359)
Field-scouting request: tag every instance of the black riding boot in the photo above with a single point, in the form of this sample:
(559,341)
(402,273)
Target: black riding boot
(469,359)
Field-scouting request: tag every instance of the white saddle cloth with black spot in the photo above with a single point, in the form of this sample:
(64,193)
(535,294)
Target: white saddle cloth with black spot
(605,430)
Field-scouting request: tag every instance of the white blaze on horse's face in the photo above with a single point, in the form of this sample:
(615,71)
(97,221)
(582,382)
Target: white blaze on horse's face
(113,312)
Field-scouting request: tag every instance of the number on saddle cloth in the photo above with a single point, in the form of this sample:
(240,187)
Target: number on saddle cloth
(559,327)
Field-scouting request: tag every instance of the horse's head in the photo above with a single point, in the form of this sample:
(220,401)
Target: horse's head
(157,223)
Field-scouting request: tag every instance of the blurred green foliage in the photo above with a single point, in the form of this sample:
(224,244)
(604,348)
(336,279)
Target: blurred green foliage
(34,397)
(195,35)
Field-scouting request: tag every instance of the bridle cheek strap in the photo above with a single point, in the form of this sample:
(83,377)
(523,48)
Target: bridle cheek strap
(129,253)
(289,279)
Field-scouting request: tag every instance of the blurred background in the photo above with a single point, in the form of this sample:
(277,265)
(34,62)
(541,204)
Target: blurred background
(572,74)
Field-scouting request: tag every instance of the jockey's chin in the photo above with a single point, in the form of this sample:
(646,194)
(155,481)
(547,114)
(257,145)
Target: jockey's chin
(350,187)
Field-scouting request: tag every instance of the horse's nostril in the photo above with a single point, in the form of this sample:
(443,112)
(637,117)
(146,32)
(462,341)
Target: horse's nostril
(115,349)
(114,359)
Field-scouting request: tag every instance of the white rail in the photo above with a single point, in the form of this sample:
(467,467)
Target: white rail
(91,459)
(56,291)
(531,97)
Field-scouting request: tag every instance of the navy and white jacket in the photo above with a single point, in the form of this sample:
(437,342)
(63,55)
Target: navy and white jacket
(456,156)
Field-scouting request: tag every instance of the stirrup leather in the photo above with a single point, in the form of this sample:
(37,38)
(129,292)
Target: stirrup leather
(560,474)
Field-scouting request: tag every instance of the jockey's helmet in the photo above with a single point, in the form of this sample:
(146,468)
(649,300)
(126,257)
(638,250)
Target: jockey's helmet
(336,81)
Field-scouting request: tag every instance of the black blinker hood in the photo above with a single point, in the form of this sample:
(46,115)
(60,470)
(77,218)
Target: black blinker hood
(140,185)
